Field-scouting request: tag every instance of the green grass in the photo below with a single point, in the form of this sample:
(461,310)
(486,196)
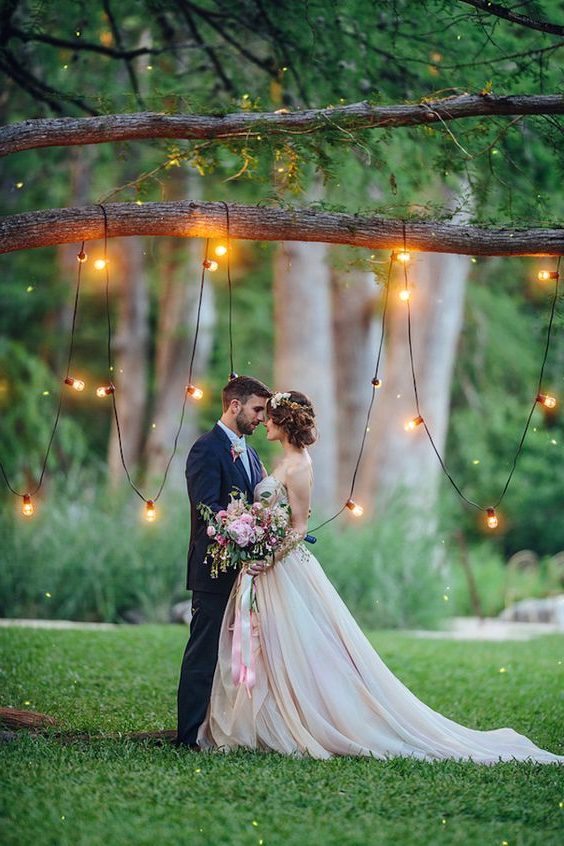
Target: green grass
(119,792)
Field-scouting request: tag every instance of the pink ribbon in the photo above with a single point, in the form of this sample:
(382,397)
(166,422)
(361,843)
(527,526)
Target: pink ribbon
(245,636)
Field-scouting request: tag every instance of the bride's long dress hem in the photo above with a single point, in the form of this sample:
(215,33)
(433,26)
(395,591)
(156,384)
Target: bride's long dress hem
(321,690)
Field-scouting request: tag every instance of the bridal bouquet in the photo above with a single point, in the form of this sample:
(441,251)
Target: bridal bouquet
(243,532)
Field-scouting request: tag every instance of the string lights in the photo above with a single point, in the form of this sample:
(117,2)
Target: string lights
(105,390)
(26,498)
(191,390)
(77,384)
(546,400)
(403,257)
(547,275)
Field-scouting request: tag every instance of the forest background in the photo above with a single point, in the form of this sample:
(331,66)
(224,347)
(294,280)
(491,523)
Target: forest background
(306,316)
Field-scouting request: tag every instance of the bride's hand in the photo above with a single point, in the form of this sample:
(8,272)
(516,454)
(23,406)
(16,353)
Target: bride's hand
(255,568)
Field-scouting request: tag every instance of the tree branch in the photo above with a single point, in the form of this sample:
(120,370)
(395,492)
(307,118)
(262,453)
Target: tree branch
(31,134)
(514,17)
(208,220)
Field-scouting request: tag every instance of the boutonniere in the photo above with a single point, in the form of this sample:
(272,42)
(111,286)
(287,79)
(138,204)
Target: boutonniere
(236,451)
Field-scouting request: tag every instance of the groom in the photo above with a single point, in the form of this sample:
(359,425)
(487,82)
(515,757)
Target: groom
(218,462)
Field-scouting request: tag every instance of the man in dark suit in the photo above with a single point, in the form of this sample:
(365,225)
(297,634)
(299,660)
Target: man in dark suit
(218,462)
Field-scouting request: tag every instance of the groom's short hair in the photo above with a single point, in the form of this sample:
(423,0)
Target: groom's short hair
(241,388)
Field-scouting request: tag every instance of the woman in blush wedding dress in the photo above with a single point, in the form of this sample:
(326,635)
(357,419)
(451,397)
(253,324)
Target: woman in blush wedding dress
(298,676)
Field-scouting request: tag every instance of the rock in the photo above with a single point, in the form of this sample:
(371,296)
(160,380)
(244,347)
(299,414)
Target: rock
(547,610)
(8,736)
(181,612)
(134,616)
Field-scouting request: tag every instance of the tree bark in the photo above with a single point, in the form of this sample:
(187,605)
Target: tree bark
(302,319)
(259,223)
(53,132)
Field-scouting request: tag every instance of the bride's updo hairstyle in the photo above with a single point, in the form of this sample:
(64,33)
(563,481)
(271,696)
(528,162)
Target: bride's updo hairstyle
(294,413)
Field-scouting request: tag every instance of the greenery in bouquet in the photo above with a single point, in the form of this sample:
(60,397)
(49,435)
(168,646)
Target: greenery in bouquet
(243,532)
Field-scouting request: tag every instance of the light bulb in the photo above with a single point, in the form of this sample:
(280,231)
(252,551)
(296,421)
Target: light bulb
(403,256)
(545,275)
(81,257)
(105,391)
(491,519)
(210,265)
(356,509)
(150,511)
(220,250)
(233,375)
(77,384)
(413,423)
(27,506)
(546,400)
(195,393)
(100,264)
(404,295)
(376,383)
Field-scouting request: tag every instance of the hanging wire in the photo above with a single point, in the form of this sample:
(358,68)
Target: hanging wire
(375,385)
(61,392)
(110,368)
(232,373)
(530,415)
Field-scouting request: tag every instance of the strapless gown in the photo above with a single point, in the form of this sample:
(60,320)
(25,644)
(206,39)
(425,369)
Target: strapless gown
(321,689)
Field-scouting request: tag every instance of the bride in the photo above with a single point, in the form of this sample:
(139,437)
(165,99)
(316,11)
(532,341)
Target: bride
(295,674)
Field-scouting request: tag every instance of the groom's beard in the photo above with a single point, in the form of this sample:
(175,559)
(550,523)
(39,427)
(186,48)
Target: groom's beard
(244,425)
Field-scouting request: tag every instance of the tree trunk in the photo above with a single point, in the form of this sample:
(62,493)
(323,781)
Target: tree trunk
(356,336)
(181,265)
(396,459)
(304,350)
(130,343)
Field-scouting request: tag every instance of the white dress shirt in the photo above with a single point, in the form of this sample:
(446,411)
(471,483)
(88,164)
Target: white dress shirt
(235,439)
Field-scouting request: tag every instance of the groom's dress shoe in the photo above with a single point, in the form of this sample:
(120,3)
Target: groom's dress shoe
(193,747)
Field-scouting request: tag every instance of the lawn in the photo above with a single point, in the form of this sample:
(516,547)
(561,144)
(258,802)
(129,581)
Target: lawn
(106,792)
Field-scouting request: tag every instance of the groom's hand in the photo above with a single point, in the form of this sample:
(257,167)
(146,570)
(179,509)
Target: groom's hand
(255,568)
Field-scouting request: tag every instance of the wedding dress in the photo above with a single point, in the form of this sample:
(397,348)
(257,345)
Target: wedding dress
(317,686)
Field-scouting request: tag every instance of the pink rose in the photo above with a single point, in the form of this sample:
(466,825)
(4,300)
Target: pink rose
(221,515)
(211,532)
(241,532)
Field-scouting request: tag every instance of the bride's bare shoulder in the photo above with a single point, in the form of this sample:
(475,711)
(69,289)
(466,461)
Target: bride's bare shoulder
(299,470)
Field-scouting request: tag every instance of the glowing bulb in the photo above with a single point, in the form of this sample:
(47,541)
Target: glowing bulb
(491,519)
(546,400)
(100,264)
(403,256)
(233,375)
(404,295)
(413,423)
(195,393)
(27,506)
(357,510)
(105,391)
(150,511)
(77,384)
(81,257)
(545,275)
(221,250)
(210,265)
(376,383)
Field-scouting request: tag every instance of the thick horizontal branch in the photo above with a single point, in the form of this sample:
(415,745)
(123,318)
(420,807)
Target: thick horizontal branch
(258,223)
(66,132)
(514,17)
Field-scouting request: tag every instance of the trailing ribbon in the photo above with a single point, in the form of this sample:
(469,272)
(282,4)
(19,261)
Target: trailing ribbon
(244,633)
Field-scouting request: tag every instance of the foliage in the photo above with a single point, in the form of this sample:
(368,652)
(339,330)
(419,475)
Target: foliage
(112,790)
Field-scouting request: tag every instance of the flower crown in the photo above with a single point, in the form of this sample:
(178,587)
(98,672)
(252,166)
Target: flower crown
(280,398)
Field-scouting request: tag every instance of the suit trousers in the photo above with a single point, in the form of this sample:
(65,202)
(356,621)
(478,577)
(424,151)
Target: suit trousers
(198,664)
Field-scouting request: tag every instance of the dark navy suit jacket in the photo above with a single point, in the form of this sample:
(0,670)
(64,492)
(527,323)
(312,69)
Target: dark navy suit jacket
(211,475)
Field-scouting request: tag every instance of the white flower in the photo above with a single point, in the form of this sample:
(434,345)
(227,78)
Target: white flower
(277,399)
